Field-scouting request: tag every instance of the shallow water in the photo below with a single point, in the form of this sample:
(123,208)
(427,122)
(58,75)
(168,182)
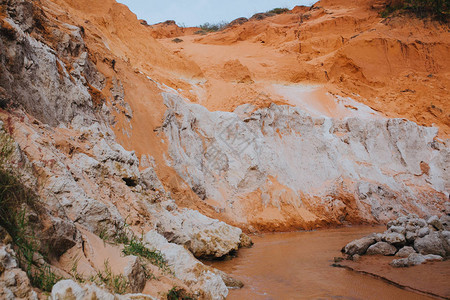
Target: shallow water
(298,266)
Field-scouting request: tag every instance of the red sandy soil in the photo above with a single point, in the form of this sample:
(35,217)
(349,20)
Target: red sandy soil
(432,278)
(397,66)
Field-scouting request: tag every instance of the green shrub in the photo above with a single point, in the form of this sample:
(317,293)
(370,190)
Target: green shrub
(177,40)
(207,27)
(117,284)
(135,246)
(138,248)
(44,278)
(201,32)
(279,11)
(177,293)
(438,9)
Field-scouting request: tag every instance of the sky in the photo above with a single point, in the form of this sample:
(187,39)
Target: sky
(196,12)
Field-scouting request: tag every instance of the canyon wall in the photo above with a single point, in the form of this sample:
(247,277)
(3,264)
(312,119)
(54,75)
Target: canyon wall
(180,147)
(278,168)
(88,187)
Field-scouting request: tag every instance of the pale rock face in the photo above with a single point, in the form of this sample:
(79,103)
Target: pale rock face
(85,178)
(201,279)
(203,236)
(149,180)
(287,157)
(69,289)
(52,101)
(14,283)
(119,161)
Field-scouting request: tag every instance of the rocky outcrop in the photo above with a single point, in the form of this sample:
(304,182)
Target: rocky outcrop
(69,289)
(415,240)
(14,282)
(135,272)
(203,280)
(37,76)
(86,183)
(280,165)
(203,236)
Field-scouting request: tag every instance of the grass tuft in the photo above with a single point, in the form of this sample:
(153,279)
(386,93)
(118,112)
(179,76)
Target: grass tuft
(137,247)
(177,293)
(44,278)
(117,284)
(16,200)
(207,27)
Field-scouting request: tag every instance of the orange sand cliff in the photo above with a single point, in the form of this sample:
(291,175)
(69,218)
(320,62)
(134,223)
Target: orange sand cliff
(399,67)
(302,120)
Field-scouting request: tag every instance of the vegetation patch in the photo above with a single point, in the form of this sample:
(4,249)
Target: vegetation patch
(177,293)
(137,247)
(279,10)
(207,27)
(437,9)
(177,40)
(117,284)
(16,200)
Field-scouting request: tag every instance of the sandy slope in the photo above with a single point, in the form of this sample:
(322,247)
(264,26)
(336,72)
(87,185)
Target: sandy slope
(398,67)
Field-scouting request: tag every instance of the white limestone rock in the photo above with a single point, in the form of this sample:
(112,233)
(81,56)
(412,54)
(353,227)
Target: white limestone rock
(14,282)
(203,280)
(203,236)
(226,156)
(69,289)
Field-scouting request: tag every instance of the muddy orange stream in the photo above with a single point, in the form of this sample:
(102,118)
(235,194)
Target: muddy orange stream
(297,266)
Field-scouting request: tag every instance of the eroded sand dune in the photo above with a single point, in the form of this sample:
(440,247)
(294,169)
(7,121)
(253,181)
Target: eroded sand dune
(318,117)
